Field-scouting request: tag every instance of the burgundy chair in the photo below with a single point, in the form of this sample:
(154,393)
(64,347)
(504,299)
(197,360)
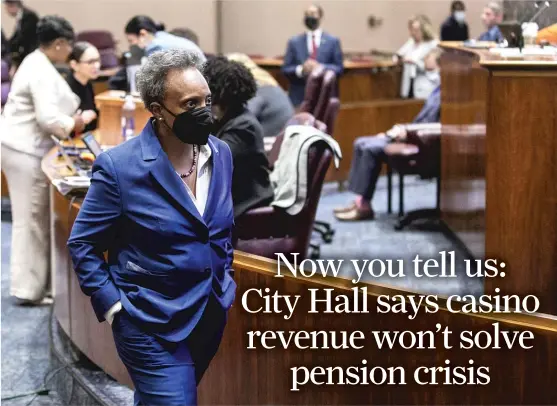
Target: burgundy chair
(331,113)
(298,119)
(323,228)
(267,230)
(328,84)
(105,43)
(312,91)
(6,82)
(419,155)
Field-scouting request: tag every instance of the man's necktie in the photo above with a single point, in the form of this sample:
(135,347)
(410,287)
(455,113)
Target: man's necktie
(313,47)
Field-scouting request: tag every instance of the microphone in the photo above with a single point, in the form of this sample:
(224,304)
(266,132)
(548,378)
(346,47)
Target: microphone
(542,6)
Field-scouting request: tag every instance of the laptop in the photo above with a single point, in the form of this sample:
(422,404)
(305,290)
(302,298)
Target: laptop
(70,163)
(512,32)
(92,144)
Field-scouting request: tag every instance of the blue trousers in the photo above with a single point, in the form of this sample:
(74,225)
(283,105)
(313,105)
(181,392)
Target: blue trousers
(368,156)
(164,373)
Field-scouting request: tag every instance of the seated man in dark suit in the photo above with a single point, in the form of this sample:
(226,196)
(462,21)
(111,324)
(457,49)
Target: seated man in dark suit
(455,28)
(307,51)
(369,155)
(24,38)
(492,15)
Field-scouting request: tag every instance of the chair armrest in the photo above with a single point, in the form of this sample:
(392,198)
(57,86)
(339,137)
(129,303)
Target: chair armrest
(264,222)
(414,129)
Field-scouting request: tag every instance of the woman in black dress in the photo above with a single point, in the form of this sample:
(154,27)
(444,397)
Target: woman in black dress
(85,62)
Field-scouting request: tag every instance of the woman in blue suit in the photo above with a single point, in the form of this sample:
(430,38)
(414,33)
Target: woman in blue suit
(161,205)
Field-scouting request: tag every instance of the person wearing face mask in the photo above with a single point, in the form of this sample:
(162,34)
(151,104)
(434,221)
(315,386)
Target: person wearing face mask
(145,33)
(306,51)
(85,63)
(40,104)
(232,86)
(455,28)
(160,205)
(412,54)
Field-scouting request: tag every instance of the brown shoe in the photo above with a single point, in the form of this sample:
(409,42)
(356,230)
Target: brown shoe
(344,209)
(355,215)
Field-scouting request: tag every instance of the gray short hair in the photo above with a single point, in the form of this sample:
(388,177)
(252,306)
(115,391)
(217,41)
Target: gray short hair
(151,77)
(495,7)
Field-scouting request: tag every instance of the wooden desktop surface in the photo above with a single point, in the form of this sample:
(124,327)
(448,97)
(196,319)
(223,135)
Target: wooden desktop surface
(362,81)
(241,376)
(499,165)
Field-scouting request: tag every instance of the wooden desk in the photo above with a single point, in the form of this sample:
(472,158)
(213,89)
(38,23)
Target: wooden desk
(255,377)
(499,165)
(110,105)
(360,82)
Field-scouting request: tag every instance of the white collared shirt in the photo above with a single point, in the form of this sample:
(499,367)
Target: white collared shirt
(310,35)
(204,173)
(309,41)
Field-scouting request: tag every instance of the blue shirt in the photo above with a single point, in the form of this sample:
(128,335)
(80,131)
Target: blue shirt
(432,108)
(164,41)
(493,34)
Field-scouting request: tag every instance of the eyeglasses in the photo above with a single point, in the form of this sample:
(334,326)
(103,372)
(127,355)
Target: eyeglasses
(91,61)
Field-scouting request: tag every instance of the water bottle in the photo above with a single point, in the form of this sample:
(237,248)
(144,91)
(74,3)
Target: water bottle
(128,118)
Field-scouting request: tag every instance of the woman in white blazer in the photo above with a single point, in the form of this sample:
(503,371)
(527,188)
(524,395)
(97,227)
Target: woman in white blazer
(413,53)
(40,104)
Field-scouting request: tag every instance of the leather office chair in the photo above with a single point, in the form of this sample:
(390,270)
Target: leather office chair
(419,155)
(6,82)
(331,113)
(297,119)
(105,43)
(322,227)
(328,84)
(267,230)
(312,91)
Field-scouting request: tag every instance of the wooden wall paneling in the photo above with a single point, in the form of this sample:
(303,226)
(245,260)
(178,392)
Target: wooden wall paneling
(60,218)
(367,118)
(463,156)
(521,213)
(517,376)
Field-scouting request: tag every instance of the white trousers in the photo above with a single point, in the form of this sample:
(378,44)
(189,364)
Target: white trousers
(30,202)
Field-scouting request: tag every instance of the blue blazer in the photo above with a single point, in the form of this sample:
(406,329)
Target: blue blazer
(329,54)
(164,259)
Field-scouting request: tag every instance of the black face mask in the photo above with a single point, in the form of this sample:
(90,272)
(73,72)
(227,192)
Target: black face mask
(194,126)
(311,22)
